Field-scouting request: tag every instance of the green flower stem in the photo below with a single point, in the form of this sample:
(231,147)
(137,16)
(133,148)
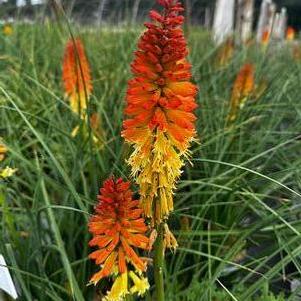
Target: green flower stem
(159,264)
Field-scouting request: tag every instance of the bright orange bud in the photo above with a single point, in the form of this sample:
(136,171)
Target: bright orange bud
(76,76)
(242,89)
(160,105)
(265,39)
(290,33)
(3,151)
(118,228)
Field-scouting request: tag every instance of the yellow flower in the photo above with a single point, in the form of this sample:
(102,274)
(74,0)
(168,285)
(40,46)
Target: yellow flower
(7,30)
(7,172)
(140,286)
(119,289)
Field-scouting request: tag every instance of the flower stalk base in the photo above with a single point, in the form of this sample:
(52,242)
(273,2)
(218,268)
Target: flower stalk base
(159,264)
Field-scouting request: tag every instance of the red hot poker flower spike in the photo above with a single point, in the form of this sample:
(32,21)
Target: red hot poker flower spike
(160,104)
(243,87)
(76,76)
(118,228)
(290,33)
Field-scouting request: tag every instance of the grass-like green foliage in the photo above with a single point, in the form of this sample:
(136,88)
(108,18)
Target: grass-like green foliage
(237,211)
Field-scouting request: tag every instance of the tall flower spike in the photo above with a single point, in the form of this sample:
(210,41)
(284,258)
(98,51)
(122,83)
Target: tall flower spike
(265,39)
(290,34)
(117,229)
(242,89)
(225,53)
(160,104)
(76,76)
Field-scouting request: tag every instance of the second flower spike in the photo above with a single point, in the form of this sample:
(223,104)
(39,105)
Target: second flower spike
(118,231)
(77,76)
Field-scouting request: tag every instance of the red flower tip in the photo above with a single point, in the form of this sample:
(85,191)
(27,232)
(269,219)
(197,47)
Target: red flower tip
(161,80)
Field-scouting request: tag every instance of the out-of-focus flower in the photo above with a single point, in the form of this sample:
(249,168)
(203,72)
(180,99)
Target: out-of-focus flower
(160,105)
(290,33)
(242,89)
(225,52)
(265,39)
(7,172)
(78,88)
(7,30)
(296,52)
(77,76)
(3,151)
(118,228)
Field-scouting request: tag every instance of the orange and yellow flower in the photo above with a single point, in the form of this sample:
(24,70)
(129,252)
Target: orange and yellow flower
(290,34)
(225,52)
(3,151)
(265,39)
(118,229)
(77,76)
(7,171)
(78,88)
(243,87)
(7,30)
(160,104)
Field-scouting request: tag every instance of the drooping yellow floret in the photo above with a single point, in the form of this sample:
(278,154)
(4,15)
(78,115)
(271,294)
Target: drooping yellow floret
(119,289)
(140,286)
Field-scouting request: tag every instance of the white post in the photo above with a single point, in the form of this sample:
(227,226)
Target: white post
(244,19)
(239,19)
(271,16)
(283,24)
(207,23)
(263,19)
(100,10)
(247,21)
(276,26)
(135,11)
(223,20)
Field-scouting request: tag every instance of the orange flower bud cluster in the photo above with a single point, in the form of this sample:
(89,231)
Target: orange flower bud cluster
(118,231)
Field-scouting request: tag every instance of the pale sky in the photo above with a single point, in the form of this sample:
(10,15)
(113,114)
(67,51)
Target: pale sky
(22,2)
